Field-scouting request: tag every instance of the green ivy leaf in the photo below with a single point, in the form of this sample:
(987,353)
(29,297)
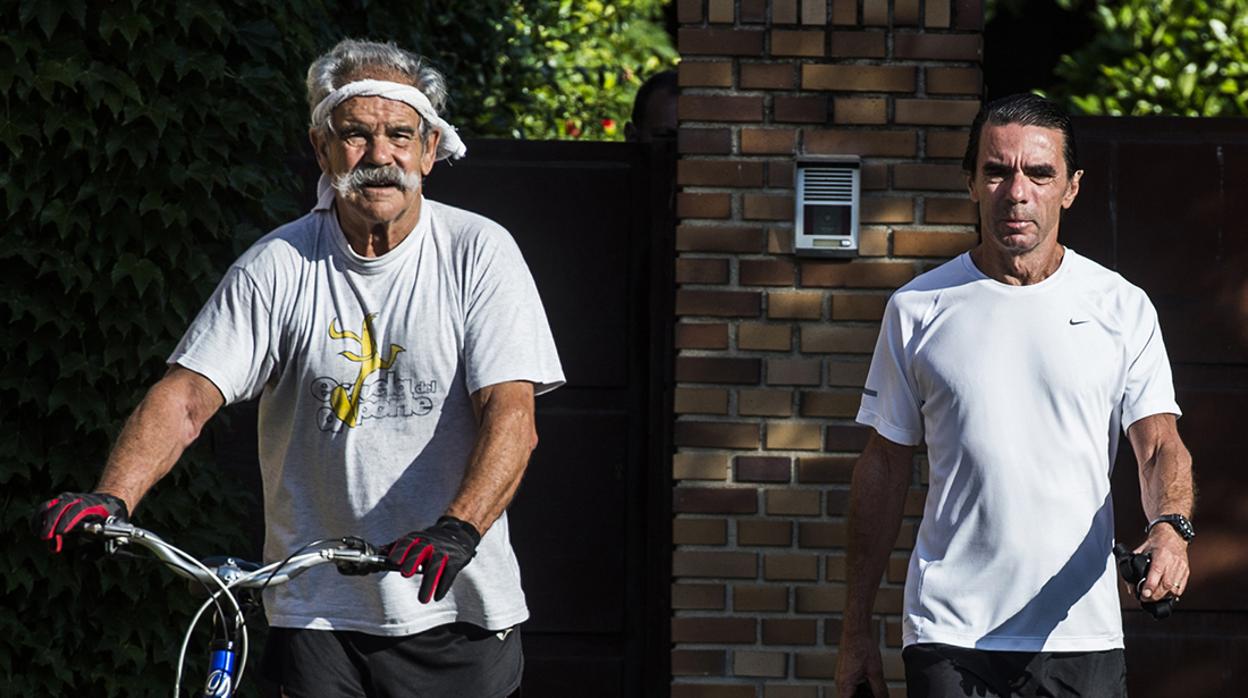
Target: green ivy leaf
(151,202)
(130,25)
(77,9)
(75,124)
(15,71)
(47,14)
(211,16)
(53,72)
(11,134)
(144,274)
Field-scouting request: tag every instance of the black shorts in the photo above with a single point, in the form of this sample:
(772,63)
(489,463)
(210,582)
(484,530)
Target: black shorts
(457,660)
(941,671)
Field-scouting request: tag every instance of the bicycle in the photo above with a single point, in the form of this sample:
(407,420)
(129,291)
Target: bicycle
(222,576)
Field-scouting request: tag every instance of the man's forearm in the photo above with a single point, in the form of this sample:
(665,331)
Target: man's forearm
(1166,481)
(876,500)
(168,420)
(1166,485)
(505,440)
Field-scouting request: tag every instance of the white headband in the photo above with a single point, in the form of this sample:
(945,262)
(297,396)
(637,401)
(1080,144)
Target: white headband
(449,146)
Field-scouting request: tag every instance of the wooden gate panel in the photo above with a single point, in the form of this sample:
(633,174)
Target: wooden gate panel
(594,223)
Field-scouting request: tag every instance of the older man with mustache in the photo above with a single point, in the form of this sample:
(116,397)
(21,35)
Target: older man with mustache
(396,345)
(1017,364)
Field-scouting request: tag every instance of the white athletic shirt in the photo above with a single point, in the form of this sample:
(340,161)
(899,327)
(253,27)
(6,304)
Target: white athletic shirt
(365,368)
(1020,392)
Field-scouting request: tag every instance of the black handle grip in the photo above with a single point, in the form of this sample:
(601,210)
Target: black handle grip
(1134,569)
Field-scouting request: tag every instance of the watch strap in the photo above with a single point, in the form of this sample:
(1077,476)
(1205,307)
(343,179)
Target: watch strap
(1178,521)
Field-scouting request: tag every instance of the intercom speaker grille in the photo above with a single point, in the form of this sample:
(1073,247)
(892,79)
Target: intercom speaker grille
(828,185)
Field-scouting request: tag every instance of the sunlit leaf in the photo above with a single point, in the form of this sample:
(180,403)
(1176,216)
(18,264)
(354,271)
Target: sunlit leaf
(1178,57)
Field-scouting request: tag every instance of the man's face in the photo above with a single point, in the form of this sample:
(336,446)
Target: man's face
(1021,186)
(370,133)
(660,119)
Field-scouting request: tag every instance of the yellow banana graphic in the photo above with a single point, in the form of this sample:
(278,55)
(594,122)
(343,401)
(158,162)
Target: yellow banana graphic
(347,406)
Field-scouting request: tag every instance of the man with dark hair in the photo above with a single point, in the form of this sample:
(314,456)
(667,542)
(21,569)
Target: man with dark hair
(396,345)
(654,109)
(1017,364)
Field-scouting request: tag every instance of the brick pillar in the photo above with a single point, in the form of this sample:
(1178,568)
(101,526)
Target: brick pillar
(772,350)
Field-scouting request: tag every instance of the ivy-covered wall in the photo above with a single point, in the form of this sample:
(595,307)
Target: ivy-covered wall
(143,145)
(139,152)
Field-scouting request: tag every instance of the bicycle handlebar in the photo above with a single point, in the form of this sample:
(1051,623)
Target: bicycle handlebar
(353,556)
(357,553)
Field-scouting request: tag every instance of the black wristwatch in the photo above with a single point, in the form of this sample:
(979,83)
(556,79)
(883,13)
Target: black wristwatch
(1180,523)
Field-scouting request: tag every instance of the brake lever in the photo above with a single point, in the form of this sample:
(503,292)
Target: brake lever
(373,559)
(101,528)
(1134,570)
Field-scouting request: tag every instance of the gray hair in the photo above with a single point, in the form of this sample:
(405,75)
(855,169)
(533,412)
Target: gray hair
(351,57)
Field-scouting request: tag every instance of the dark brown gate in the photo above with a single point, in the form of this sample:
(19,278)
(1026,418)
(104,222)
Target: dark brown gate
(1165,202)
(591,523)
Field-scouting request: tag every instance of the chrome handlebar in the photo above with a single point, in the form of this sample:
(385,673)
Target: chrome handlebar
(236,573)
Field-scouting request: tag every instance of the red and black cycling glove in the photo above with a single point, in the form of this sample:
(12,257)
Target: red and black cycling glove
(438,553)
(65,512)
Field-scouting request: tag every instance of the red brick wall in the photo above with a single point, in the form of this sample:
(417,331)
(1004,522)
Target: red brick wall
(772,349)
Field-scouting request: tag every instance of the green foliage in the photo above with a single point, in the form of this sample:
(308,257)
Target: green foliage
(1161,57)
(143,145)
(542,70)
(589,58)
(137,157)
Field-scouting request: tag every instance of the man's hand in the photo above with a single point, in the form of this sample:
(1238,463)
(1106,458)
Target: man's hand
(68,510)
(438,553)
(857,662)
(1168,572)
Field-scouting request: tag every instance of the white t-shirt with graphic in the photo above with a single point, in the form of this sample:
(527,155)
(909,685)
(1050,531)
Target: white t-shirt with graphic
(364,368)
(1020,393)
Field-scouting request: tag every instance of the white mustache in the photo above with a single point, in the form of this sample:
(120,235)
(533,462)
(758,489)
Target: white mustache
(388,175)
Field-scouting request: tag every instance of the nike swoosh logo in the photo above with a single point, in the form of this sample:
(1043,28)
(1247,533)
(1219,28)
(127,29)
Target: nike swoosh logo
(1078,322)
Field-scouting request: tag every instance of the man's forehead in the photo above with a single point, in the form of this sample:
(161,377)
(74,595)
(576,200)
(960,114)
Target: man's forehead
(1014,135)
(375,109)
(1011,141)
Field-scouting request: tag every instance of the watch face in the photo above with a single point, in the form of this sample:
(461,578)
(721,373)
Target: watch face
(1185,528)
